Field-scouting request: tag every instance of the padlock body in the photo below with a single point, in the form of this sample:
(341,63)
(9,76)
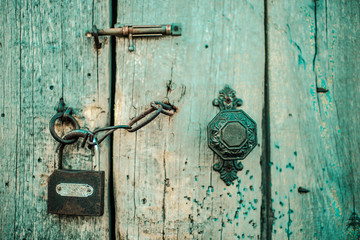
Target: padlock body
(76,192)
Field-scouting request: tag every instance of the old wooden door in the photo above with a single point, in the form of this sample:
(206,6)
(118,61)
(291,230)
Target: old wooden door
(164,182)
(295,65)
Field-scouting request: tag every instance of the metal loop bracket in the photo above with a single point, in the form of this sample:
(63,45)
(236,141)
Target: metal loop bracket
(63,116)
(144,114)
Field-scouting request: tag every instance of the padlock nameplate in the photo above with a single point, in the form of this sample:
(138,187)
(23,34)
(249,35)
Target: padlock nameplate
(74,190)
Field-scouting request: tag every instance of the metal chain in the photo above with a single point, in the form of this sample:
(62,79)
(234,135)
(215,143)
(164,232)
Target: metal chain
(68,138)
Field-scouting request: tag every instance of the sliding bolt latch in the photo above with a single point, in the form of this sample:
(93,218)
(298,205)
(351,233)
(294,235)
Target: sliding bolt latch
(132,31)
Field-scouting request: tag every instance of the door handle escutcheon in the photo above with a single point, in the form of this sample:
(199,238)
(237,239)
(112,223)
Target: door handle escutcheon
(231,135)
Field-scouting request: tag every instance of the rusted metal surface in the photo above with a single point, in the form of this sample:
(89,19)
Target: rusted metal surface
(88,205)
(131,31)
(88,136)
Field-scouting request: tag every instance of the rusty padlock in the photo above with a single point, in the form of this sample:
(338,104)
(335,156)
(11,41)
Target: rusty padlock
(77,192)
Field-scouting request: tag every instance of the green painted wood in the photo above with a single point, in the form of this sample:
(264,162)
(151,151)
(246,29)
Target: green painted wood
(45,56)
(314,135)
(165,186)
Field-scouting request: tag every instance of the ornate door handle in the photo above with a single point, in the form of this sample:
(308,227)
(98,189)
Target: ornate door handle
(231,135)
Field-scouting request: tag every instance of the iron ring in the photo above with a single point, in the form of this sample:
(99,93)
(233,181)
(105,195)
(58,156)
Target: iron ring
(52,129)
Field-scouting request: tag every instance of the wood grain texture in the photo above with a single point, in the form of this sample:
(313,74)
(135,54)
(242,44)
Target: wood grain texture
(45,56)
(314,45)
(165,186)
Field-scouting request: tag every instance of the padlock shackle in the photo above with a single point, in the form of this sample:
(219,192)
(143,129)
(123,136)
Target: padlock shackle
(97,154)
(76,134)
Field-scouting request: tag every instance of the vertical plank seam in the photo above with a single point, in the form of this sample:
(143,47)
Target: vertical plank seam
(214,91)
(3,85)
(134,172)
(315,36)
(62,52)
(61,217)
(112,208)
(164,194)
(315,55)
(17,128)
(31,162)
(135,144)
(266,206)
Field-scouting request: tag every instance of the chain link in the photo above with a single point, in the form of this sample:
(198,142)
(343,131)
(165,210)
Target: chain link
(155,108)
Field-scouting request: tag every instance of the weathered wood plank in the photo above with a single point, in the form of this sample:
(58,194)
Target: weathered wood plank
(9,43)
(314,45)
(45,56)
(164,183)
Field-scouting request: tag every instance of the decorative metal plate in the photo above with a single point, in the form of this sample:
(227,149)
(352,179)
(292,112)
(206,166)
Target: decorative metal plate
(74,190)
(231,135)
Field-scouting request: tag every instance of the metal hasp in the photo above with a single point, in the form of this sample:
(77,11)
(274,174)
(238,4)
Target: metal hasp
(231,135)
(131,31)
